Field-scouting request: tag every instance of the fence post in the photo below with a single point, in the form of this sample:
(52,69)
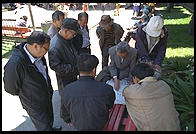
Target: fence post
(29,5)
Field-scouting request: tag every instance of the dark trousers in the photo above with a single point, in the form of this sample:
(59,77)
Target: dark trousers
(65,82)
(105,55)
(42,118)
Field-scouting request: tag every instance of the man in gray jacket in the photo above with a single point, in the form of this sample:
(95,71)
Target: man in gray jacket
(123,59)
(109,34)
(57,19)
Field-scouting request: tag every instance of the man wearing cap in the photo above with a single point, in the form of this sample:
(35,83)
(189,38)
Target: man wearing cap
(62,54)
(109,34)
(151,42)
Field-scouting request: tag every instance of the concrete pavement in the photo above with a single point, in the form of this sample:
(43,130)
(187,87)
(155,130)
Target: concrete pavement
(15,118)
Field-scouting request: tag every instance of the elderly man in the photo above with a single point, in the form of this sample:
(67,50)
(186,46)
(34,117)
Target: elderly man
(109,34)
(151,42)
(123,59)
(83,21)
(26,75)
(62,54)
(57,19)
(86,102)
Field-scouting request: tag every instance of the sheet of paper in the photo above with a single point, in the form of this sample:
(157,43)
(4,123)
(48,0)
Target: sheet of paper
(119,97)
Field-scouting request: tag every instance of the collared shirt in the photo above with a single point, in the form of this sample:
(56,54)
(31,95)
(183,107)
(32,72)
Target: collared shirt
(85,36)
(38,63)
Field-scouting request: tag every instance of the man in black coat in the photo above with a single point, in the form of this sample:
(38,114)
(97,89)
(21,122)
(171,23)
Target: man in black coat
(26,75)
(83,22)
(86,102)
(63,55)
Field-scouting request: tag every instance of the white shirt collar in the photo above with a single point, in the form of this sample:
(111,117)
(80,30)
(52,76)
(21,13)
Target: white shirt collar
(29,55)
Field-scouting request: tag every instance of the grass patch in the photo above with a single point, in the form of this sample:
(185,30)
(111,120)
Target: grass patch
(7,49)
(180,52)
(177,23)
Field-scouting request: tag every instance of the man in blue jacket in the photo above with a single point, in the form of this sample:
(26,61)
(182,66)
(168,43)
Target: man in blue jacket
(86,102)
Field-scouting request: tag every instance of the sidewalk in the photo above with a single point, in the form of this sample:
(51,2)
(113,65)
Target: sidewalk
(15,118)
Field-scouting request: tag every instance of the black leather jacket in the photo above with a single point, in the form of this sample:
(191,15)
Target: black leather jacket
(63,59)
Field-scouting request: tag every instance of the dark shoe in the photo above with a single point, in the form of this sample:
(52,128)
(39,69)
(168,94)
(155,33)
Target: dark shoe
(57,128)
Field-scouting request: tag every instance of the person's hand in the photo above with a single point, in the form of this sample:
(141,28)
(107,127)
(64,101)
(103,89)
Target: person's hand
(131,83)
(70,124)
(116,84)
(158,67)
(149,63)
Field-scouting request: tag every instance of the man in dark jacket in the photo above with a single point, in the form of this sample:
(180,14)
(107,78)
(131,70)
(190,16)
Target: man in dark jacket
(26,75)
(86,102)
(109,34)
(83,21)
(151,42)
(62,54)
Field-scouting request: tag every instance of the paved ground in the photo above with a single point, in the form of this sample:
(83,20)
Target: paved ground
(14,117)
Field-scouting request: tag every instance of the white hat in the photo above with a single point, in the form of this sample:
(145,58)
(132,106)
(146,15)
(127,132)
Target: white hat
(154,26)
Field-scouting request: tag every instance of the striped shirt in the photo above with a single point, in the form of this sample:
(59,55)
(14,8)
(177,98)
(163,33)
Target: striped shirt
(109,38)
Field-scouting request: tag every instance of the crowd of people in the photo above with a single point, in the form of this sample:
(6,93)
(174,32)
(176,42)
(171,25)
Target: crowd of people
(85,97)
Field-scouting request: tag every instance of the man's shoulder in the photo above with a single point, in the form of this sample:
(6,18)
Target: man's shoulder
(132,51)
(117,26)
(51,28)
(112,50)
(132,90)
(56,42)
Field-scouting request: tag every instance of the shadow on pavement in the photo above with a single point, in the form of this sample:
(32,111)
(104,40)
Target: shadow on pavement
(27,125)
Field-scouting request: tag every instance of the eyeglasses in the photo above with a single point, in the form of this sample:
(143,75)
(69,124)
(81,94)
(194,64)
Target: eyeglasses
(73,33)
(47,49)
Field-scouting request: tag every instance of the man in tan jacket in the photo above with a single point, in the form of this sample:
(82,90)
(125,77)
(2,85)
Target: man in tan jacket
(150,102)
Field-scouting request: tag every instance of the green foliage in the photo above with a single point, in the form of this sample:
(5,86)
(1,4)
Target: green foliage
(7,48)
(179,74)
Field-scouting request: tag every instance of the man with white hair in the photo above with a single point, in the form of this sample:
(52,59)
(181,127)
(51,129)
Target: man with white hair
(123,59)
(151,42)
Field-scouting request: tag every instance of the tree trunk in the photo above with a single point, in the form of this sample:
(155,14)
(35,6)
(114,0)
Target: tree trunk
(191,26)
(169,7)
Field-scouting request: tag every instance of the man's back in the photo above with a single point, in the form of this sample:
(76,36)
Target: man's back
(88,103)
(151,106)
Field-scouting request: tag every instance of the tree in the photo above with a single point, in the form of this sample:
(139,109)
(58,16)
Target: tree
(169,7)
